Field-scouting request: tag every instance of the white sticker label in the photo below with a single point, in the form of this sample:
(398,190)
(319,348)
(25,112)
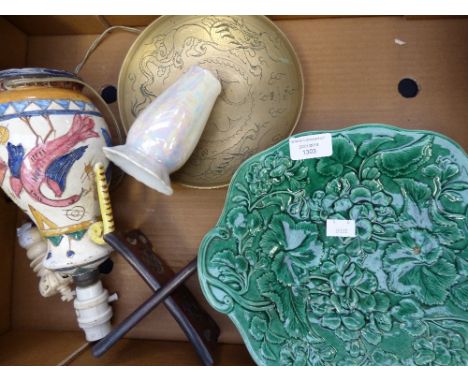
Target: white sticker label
(311,146)
(341,228)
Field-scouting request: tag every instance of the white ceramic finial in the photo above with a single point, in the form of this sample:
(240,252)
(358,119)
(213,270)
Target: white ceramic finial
(50,282)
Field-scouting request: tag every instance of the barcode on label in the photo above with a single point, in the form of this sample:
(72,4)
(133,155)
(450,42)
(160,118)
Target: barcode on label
(341,228)
(311,146)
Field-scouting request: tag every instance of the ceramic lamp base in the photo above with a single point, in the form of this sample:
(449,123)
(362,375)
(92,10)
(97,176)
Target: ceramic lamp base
(149,171)
(70,254)
(91,305)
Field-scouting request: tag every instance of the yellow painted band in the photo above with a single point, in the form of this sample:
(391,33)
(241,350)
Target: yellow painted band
(41,92)
(65,230)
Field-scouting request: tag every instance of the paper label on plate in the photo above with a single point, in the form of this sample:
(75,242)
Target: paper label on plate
(311,146)
(341,228)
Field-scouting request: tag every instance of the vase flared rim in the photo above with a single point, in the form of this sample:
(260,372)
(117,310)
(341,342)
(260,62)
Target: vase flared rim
(35,72)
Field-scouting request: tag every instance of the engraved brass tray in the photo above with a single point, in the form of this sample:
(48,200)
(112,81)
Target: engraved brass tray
(394,294)
(261,77)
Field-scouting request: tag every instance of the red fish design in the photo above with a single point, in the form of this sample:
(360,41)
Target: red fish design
(49,162)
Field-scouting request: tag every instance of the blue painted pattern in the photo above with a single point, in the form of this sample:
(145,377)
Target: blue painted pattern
(15,158)
(59,169)
(41,107)
(107,137)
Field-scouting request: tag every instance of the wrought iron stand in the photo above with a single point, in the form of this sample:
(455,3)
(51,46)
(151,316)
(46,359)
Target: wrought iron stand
(200,329)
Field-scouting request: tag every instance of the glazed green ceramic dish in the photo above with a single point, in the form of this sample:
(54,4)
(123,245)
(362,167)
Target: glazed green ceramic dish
(396,293)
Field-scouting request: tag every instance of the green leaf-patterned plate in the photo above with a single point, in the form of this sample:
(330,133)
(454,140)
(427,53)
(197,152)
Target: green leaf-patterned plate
(396,293)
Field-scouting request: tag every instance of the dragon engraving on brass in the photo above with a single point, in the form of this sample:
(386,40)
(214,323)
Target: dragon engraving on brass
(260,75)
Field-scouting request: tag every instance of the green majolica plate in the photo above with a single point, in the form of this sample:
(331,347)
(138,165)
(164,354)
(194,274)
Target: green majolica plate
(396,293)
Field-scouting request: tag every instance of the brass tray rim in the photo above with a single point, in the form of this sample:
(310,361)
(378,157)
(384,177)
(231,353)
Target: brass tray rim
(142,35)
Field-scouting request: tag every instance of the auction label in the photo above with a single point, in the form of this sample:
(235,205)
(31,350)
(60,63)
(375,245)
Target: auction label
(341,228)
(311,146)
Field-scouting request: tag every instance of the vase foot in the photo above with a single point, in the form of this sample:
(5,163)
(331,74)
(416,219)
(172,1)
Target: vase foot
(146,170)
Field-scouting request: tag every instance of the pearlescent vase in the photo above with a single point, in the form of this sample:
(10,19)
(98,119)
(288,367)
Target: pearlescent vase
(51,135)
(164,135)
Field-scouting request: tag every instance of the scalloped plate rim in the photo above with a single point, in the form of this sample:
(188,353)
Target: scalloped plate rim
(314,132)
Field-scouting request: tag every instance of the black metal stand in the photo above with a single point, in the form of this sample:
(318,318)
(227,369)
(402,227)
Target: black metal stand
(198,326)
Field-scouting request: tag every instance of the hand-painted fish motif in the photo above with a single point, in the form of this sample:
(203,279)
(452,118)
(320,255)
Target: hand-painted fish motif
(49,162)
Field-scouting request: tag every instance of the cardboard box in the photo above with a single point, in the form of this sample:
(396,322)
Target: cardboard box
(352,67)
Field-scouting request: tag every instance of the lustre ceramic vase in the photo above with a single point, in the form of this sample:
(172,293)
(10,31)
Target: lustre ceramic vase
(166,132)
(395,292)
(50,137)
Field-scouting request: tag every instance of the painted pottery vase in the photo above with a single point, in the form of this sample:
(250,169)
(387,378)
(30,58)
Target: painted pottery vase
(167,131)
(394,292)
(51,135)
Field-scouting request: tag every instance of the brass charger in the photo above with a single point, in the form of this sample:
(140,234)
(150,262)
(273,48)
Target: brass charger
(261,76)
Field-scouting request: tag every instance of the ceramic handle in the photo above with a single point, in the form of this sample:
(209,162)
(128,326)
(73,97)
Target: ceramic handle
(104,199)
